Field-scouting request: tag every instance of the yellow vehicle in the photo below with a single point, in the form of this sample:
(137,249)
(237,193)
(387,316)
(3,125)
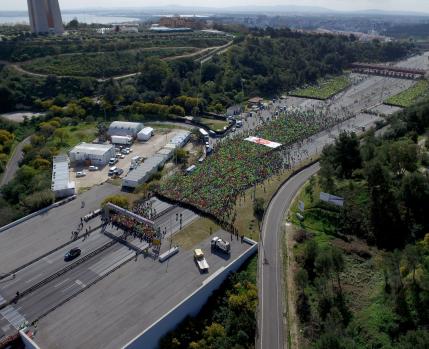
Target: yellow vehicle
(201,260)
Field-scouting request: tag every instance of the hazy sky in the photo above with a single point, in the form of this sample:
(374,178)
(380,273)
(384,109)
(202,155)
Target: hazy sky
(394,5)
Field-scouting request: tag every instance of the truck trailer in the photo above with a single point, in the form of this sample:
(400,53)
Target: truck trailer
(122,140)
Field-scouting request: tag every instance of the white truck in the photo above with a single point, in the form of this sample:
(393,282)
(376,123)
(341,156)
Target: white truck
(123,140)
(201,260)
(222,245)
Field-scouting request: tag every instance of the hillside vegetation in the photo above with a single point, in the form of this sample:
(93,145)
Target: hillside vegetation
(361,270)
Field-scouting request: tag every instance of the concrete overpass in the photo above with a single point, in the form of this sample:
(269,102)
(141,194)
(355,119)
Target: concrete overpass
(393,72)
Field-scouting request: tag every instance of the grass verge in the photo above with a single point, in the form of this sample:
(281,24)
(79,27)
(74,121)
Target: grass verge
(246,223)
(194,233)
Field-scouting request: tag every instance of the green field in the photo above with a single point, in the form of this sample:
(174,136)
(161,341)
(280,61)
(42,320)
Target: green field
(325,88)
(73,135)
(213,124)
(100,65)
(408,97)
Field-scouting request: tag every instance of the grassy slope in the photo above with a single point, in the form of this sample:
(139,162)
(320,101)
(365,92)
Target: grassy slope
(409,97)
(84,132)
(325,89)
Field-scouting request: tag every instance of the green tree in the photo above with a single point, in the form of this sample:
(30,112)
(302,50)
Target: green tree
(347,154)
(118,200)
(259,209)
(62,135)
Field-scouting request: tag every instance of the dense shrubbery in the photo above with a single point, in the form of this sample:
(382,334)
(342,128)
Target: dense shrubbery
(24,47)
(99,65)
(385,184)
(226,321)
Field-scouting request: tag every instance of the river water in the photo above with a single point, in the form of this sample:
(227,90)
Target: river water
(67,17)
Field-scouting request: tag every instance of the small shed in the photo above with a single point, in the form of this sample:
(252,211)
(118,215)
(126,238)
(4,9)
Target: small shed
(145,134)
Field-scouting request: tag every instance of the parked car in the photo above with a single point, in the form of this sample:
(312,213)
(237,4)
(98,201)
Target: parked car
(93,168)
(112,170)
(80,174)
(112,161)
(125,151)
(122,156)
(233,129)
(118,171)
(72,254)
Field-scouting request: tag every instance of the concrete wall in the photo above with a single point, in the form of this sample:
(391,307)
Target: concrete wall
(149,338)
(28,342)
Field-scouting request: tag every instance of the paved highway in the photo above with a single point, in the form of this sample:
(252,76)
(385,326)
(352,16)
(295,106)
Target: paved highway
(48,296)
(49,265)
(270,263)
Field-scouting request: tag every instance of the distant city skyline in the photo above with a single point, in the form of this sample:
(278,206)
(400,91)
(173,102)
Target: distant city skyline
(342,5)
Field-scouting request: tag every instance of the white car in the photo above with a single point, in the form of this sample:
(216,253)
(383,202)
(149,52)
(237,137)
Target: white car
(233,129)
(93,168)
(80,174)
(122,156)
(125,151)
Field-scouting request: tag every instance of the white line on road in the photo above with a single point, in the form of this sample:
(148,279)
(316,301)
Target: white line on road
(33,278)
(69,287)
(80,283)
(61,283)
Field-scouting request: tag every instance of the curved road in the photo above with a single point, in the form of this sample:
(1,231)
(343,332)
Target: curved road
(270,321)
(13,164)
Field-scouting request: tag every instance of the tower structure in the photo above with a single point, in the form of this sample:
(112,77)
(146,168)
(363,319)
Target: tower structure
(45,16)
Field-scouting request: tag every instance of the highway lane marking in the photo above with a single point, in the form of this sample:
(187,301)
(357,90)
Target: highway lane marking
(12,316)
(33,278)
(47,260)
(61,283)
(80,283)
(69,287)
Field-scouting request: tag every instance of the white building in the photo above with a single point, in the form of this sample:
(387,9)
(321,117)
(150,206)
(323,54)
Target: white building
(143,172)
(125,128)
(94,154)
(61,185)
(45,16)
(145,134)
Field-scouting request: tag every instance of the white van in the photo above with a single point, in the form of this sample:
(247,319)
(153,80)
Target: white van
(112,170)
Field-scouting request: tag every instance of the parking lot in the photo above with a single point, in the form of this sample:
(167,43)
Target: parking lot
(144,150)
